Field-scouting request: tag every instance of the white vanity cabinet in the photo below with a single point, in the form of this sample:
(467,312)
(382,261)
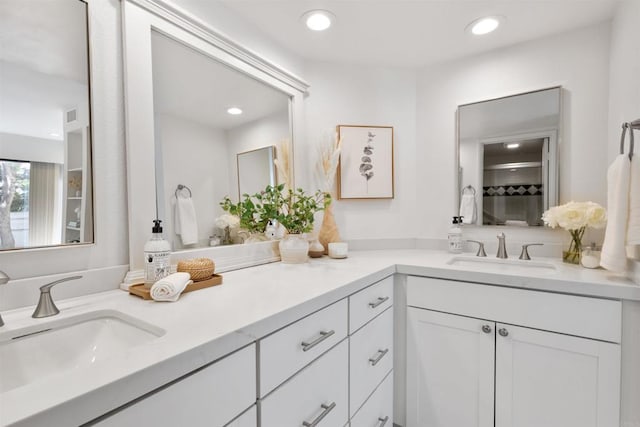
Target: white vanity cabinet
(212,396)
(469,364)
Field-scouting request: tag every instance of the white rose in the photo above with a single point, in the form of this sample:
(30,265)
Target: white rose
(572,216)
(550,217)
(227,220)
(596,215)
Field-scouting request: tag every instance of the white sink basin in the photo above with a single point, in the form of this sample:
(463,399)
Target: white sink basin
(497,265)
(56,346)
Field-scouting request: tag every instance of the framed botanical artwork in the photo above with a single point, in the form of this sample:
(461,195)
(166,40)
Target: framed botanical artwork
(365,170)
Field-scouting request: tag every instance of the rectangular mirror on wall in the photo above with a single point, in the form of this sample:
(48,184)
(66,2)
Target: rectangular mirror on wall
(45,138)
(215,132)
(508,158)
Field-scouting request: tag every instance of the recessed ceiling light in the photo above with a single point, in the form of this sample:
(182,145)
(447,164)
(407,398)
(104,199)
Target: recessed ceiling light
(513,146)
(234,111)
(485,25)
(318,20)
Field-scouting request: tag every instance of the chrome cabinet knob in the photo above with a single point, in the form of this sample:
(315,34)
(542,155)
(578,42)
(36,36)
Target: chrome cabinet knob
(503,332)
(486,329)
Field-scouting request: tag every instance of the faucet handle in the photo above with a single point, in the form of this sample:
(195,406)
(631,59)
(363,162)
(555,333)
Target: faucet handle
(46,307)
(481,251)
(525,250)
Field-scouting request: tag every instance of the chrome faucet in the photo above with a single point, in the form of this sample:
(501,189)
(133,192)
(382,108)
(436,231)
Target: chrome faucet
(481,251)
(524,255)
(502,248)
(4,279)
(46,307)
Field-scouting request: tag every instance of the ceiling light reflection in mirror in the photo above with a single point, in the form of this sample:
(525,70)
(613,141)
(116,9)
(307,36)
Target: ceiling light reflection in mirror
(199,132)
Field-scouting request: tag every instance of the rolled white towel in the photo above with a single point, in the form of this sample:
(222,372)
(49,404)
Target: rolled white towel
(170,287)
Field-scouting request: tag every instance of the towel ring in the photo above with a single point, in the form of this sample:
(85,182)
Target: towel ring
(469,187)
(631,126)
(182,187)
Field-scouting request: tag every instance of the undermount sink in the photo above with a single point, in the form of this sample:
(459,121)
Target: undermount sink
(56,346)
(498,265)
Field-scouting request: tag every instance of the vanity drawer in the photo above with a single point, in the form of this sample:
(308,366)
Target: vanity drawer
(212,396)
(369,302)
(378,409)
(320,388)
(370,357)
(287,351)
(567,314)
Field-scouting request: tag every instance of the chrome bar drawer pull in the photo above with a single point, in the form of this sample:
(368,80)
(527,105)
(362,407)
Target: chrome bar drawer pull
(383,421)
(379,301)
(380,354)
(306,346)
(327,409)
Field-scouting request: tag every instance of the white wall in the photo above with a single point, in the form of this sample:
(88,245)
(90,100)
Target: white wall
(110,248)
(196,156)
(265,132)
(366,95)
(579,61)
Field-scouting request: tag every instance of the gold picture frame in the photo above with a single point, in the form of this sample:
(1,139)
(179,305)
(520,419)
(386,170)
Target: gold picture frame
(365,169)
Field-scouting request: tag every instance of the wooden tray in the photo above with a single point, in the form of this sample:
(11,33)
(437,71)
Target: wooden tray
(144,293)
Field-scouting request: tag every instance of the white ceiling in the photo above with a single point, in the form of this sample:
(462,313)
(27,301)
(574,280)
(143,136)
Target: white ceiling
(413,33)
(46,36)
(190,85)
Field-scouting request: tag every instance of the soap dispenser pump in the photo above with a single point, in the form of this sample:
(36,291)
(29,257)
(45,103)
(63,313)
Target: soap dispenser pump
(455,236)
(157,252)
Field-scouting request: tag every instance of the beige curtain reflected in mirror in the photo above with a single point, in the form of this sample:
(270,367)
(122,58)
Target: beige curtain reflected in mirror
(45,204)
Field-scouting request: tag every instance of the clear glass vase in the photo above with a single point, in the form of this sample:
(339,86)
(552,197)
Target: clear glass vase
(573,254)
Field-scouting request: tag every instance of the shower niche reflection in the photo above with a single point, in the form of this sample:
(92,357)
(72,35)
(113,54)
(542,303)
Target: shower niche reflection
(512,184)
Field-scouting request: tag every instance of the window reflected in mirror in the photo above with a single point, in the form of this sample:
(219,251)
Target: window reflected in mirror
(216,130)
(508,158)
(45,143)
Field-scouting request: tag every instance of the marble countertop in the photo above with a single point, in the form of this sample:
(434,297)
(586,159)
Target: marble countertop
(210,323)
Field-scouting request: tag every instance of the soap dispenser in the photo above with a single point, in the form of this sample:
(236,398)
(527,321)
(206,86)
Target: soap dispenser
(455,236)
(157,252)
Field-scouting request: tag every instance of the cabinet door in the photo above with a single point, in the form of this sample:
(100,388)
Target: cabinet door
(553,380)
(450,370)
(248,419)
(378,410)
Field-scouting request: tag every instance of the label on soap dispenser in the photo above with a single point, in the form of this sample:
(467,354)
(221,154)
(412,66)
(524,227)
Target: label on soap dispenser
(455,243)
(156,267)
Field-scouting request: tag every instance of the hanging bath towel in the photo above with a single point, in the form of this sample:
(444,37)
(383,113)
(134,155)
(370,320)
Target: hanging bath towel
(614,255)
(186,225)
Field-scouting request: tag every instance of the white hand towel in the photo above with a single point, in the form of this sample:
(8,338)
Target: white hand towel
(170,288)
(633,229)
(186,224)
(468,208)
(614,256)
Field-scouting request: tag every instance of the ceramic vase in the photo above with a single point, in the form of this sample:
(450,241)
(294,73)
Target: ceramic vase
(294,249)
(329,229)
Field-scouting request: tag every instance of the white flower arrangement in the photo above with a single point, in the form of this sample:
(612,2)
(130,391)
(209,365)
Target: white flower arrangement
(576,215)
(227,220)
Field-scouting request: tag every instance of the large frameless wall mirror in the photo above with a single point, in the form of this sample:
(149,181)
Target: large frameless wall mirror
(215,132)
(45,138)
(508,158)
(183,146)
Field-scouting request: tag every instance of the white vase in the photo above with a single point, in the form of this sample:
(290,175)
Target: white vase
(294,249)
